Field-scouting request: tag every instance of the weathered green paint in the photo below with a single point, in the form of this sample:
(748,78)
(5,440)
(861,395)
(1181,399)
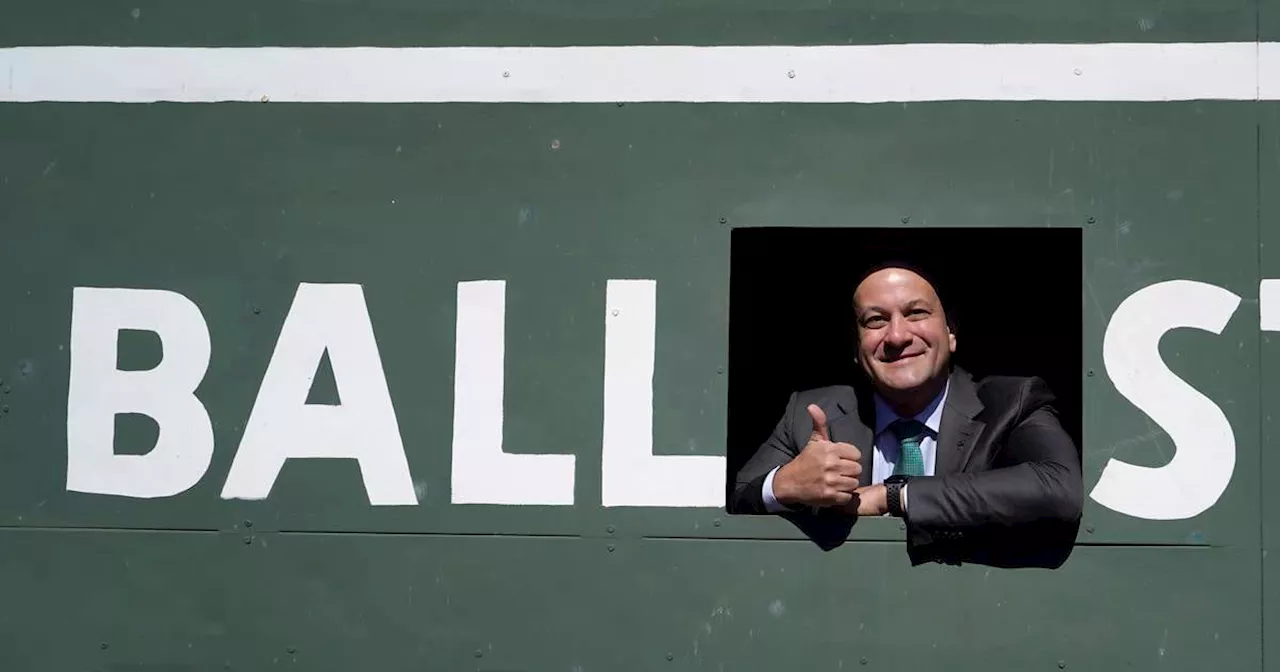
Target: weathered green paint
(233,205)
(620,22)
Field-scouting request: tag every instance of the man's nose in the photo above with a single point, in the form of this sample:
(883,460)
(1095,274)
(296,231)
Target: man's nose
(898,334)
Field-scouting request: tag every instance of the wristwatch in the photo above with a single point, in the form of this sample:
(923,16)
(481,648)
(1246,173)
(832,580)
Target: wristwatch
(893,494)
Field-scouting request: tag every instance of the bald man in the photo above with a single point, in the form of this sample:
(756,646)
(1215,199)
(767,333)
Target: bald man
(962,462)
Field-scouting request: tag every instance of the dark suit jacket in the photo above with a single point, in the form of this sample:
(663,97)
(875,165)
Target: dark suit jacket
(1007,487)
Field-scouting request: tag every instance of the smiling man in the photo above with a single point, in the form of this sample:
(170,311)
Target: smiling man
(966,464)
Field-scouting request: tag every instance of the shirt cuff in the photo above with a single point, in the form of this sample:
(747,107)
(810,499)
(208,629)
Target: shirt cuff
(771,503)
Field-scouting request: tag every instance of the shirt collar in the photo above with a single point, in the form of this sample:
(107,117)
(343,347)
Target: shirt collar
(931,416)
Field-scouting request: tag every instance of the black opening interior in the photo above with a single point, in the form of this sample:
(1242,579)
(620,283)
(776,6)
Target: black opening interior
(1015,295)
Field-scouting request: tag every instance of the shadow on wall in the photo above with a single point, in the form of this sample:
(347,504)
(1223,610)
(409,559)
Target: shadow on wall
(1015,296)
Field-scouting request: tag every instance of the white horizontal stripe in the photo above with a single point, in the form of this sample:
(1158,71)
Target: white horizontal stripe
(1269,71)
(752,74)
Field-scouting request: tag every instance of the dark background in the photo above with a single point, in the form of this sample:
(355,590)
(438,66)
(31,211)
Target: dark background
(1014,296)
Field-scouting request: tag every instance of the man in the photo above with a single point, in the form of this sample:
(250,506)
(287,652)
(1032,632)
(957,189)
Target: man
(976,469)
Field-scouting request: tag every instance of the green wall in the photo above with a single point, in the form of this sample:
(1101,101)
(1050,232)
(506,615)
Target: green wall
(233,205)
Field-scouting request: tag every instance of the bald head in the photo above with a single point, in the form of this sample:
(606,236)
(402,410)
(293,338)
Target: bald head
(904,343)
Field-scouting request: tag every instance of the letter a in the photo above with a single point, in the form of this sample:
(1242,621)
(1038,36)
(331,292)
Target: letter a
(363,427)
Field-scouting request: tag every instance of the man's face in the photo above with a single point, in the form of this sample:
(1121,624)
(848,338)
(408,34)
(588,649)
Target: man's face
(903,339)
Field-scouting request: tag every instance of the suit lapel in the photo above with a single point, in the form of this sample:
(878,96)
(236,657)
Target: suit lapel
(854,426)
(960,426)
(956,433)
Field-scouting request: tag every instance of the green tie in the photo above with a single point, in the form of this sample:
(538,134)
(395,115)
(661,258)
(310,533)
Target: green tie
(909,433)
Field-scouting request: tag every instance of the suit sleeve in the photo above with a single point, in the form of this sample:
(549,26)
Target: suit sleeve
(1038,481)
(777,450)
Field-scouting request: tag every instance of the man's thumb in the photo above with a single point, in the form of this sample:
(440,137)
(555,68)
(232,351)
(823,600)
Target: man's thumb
(819,422)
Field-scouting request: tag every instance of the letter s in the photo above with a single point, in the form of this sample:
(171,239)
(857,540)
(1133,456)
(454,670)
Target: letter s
(1204,444)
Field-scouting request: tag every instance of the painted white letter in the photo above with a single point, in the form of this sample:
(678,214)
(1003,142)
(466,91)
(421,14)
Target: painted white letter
(1269,304)
(98,391)
(362,427)
(1204,444)
(482,473)
(631,474)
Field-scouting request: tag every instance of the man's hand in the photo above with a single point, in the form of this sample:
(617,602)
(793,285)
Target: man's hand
(823,474)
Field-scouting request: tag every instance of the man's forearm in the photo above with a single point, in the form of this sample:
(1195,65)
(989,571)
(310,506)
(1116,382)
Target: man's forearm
(1023,493)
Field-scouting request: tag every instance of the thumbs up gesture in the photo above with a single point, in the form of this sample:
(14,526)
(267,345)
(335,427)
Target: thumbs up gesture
(823,474)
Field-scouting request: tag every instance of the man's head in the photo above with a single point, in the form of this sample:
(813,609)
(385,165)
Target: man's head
(904,339)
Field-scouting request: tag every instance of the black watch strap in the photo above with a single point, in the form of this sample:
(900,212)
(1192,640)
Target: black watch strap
(893,495)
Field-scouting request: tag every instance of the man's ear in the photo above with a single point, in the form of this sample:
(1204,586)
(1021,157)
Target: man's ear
(951,339)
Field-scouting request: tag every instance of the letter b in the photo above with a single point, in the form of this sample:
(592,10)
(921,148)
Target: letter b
(98,391)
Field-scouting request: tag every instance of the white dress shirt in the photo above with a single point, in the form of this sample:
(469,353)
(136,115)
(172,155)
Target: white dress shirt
(887,450)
